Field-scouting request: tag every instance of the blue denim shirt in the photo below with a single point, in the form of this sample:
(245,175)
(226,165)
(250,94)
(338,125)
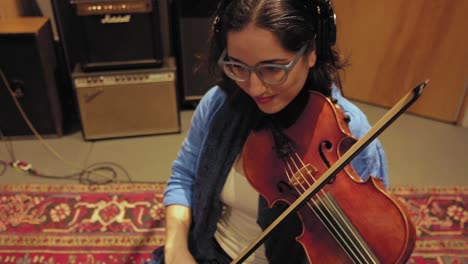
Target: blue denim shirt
(185,168)
(371,161)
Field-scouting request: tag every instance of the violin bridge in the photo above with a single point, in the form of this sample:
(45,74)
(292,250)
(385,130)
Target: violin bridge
(301,177)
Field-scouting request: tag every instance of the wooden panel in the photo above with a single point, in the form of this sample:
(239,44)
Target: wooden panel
(22,25)
(10,8)
(392,45)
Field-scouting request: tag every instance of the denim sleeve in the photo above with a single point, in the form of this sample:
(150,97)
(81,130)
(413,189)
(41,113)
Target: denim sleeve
(372,160)
(179,185)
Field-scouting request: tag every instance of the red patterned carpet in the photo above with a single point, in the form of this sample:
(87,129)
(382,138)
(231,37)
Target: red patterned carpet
(68,224)
(441,218)
(71,224)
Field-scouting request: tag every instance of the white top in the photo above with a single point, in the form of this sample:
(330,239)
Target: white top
(238,227)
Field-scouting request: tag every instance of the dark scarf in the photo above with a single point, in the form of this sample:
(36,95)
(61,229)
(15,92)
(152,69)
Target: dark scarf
(228,132)
(225,140)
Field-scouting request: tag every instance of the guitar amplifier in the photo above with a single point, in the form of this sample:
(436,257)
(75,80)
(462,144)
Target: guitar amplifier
(127,102)
(112,34)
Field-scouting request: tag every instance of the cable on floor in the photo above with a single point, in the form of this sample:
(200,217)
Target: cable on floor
(96,174)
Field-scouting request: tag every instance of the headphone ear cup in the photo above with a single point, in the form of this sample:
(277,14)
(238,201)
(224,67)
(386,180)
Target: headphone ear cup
(218,15)
(330,18)
(326,30)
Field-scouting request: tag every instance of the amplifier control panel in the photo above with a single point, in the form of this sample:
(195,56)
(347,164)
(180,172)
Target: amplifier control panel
(118,79)
(93,7)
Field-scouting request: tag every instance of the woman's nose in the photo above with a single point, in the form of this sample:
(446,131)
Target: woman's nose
(256,85)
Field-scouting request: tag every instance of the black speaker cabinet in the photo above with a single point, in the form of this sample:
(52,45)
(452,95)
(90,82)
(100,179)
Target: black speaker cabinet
(127,102)
(191,24)
(108,35)
(28,62)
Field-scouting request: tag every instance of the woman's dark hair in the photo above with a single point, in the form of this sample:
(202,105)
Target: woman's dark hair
(294,22)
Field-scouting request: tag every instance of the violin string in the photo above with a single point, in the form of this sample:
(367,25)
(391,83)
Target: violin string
(339,233)
(332,211)
(319,212)
(350,232)
(321,216)
(346,227)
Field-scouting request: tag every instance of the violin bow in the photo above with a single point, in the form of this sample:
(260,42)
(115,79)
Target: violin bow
(399,108)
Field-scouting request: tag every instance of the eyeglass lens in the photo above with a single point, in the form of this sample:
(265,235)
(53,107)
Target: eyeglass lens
(269,74)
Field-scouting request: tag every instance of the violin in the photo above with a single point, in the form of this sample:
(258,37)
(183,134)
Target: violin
(344,219)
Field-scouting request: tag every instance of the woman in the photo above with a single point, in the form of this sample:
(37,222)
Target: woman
(268,54)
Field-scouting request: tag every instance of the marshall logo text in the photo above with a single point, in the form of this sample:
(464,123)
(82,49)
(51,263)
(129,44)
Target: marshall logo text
(109,19)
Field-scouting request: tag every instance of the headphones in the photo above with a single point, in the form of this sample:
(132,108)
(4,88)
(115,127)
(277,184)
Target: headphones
(326,23)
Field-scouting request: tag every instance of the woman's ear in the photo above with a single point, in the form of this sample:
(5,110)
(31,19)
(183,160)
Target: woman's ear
(312,58)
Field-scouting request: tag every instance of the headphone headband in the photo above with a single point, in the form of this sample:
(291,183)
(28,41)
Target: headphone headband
(326,28)
(219,13)
(327,21)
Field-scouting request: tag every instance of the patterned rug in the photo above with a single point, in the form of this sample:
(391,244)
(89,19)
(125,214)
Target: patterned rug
(441,218)
(72,224)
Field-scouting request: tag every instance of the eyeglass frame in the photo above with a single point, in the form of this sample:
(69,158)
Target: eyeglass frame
(287,68)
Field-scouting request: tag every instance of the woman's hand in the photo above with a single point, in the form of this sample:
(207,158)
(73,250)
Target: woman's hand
(178,220)
(174,256)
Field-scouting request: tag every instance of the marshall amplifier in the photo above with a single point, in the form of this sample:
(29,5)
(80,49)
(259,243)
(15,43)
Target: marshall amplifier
(116,34)
(127,102)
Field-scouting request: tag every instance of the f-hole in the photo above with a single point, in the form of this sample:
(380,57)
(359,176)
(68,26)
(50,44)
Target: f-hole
(327,145)
(283,187)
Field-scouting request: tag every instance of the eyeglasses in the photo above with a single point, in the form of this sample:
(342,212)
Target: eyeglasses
(274,74)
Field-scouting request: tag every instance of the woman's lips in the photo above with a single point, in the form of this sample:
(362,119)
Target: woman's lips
(263,100)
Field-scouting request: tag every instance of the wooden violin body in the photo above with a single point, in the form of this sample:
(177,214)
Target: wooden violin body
(349,220)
